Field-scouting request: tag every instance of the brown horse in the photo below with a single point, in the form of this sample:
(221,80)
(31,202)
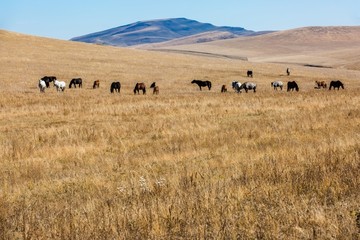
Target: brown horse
(223,88)
(96,84)
(156,88)
(138,87)
(320,84)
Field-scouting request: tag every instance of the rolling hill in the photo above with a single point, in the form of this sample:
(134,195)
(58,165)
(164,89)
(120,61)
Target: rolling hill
(184,164)
(314,46)
(154,31)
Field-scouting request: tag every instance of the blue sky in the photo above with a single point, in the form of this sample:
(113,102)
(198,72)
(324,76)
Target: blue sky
(64,19)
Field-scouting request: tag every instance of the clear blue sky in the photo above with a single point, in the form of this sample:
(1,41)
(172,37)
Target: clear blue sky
(64,19)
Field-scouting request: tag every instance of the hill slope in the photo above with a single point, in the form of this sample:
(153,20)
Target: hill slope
(323,46)
(155,31)
(184,164)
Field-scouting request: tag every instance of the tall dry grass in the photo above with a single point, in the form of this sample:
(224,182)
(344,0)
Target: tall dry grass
(87,164)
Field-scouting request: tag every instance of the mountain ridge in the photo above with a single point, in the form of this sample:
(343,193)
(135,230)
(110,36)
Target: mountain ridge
(156,31)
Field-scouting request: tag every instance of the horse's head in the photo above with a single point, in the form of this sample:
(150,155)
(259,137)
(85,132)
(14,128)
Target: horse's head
(193,81)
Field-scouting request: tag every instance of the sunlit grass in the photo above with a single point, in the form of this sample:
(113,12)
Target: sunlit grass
(185,164)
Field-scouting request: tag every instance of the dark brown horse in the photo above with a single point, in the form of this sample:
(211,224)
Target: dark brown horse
(140,86)
(115,86)
(320,84)
(336,84)
(156,88)
(96,84)
(249,73)
(201,83)
(292,85)
(75,81)
(223,88)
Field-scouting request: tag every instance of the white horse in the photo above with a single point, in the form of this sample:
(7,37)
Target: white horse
(60,85)
(277,84)
(236,85)
(248,86)
(42,85)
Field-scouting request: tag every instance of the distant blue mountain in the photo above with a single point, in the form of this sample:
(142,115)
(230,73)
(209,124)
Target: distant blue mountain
(156,31)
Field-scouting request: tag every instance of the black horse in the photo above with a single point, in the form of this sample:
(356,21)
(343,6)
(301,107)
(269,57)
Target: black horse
(115,86)
(249,73)
(76,81)
(138,87)
(48,80)
(336,84)
(201,83)
(292,85)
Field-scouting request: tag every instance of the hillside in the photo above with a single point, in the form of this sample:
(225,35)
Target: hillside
(320,46)
(154,31)
(184,164)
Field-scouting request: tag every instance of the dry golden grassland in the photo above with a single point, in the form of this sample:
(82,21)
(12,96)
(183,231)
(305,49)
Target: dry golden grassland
(185,164)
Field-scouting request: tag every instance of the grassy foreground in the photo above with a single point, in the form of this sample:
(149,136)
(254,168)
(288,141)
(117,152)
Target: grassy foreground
(207,165)
(85,164)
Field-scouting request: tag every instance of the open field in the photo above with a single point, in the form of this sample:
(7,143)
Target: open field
(85,164)
(337,47)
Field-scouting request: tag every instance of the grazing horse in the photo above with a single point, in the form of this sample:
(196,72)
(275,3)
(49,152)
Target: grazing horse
(60,85)
(248,86)
(42,85)
(320,84)
(292,85)
(48,79)
(288,71)
(156,88)
(277,84)
(223,88)
(115,86)
(336,84)
(75,81)
(236,85)
(138,87)
(96,84)
(201,83)
(249,73)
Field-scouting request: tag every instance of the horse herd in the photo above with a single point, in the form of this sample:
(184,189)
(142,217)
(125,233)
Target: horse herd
(291,85)
(44,83)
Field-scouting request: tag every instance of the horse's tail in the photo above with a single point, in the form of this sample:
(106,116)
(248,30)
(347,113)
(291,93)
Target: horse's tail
(111,88)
